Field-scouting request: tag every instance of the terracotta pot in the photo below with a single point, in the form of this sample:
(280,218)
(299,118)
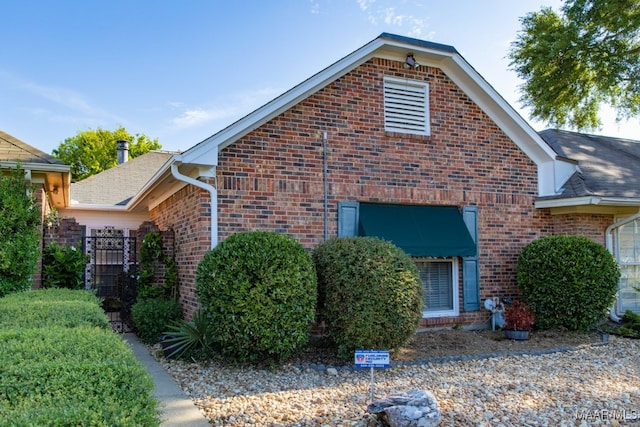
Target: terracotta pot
(516,335)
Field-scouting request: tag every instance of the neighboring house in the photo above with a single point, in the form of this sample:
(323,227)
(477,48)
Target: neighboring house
(109,222)
(49,176)
(604,187)
(401,139)
(108,198)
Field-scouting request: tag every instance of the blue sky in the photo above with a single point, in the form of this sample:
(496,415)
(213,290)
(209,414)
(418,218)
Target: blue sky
(182,70)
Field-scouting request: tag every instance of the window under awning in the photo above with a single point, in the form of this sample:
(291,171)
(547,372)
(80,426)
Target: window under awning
(421,231)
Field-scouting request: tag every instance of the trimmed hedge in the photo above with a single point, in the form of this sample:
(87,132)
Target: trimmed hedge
(369,293)
(569,281)
(52,307)
(68,371)
(258,289)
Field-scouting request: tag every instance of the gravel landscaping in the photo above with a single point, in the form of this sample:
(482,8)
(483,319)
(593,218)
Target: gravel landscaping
(591,385)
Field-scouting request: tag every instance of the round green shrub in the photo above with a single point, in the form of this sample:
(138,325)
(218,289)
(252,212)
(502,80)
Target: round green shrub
(259,291)
(151,317)
(369,293)
(569,281)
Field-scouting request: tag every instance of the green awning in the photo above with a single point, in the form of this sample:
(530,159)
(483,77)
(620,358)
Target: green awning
(421,231)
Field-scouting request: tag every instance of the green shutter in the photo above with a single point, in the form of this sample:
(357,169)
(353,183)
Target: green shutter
(347,219)
(470,268)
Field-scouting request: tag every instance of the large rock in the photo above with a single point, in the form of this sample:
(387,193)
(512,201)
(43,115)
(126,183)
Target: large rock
(414,408)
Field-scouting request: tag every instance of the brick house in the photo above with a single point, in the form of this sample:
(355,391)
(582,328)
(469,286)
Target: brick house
(401,139)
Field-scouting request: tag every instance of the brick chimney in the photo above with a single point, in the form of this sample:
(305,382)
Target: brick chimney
(123,151)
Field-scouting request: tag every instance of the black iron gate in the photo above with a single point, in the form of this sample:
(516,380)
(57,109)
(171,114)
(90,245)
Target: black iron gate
(112,273)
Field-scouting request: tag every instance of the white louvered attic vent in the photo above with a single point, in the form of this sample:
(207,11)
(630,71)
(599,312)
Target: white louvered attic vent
(406,106)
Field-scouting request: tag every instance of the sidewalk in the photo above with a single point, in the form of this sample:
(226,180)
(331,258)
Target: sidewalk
(177,409)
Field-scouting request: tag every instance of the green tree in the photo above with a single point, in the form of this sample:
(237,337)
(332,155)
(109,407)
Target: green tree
(576,61)
(19,233)
(93,151)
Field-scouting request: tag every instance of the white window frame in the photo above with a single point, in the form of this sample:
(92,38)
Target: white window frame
(626,264)
(455,311)
(406,106)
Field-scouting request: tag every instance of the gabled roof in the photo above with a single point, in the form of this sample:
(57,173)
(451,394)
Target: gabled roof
(39,166)
(608,168)
(551,171)
(116,186)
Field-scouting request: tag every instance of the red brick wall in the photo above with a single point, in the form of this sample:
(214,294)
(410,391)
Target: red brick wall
(188,213)
(592,226)
(271,179)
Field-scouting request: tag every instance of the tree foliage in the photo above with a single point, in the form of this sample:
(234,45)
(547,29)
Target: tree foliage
(93,151)
(576,61)
(19,233)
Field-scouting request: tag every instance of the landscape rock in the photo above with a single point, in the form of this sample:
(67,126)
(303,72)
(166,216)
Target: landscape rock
(414,408)
(577,388)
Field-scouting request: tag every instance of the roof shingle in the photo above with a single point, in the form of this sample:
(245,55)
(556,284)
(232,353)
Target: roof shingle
(608,167)
(116,186)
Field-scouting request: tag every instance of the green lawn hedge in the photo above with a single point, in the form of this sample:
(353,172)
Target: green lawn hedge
(61,365)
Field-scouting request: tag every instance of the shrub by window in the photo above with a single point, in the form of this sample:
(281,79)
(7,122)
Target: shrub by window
(258,289)
(369,293)
(569,281)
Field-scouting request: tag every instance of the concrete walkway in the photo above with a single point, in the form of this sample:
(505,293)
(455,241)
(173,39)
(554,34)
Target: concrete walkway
(177,409)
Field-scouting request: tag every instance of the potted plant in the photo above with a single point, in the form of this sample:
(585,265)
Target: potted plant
(519,320)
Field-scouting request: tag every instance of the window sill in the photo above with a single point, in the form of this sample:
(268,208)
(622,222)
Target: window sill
(440,313)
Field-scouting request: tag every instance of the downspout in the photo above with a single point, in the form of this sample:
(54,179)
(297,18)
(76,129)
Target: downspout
(214,198)
(609,244)
(326,186)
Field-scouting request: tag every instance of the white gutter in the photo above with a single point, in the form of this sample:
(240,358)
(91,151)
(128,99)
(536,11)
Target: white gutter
(609,243)
(39,167)
(211,189)
(588,200)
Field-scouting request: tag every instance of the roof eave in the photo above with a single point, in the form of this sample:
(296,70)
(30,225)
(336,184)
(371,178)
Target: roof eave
(588,200)
(42,167)
(101,208)
(151,184)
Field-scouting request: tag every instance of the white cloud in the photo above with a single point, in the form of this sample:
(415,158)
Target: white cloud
(228,109)
(365,4)
(391,17)
(196,117)
(76,109)
(315,7)
(65,97)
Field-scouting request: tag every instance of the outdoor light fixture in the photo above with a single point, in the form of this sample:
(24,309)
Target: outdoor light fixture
(411,62)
